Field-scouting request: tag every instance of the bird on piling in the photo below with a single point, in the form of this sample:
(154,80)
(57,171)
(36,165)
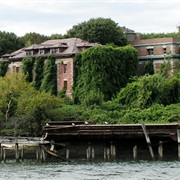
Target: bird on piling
(86,123)
(106,122)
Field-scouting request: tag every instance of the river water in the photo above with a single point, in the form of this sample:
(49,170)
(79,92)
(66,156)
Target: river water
(125,170)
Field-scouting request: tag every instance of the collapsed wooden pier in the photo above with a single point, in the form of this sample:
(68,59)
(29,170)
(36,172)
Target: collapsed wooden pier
(112,135)
(70,140)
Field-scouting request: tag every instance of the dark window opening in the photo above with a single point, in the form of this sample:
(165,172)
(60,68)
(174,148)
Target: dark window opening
(150,51)
(65,68)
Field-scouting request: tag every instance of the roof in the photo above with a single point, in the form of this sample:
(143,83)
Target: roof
(69,46)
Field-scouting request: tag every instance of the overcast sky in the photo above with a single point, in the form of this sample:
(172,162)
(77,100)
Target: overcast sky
(57,16)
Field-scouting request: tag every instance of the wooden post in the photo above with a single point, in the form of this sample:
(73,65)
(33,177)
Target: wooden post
(135,152)
(113,151)
(89,152)
(67,154)
(38,153)
(43,155)
(108,153)
(93,153)
(160,150)
(105,153)
(0,153)
(4,154)
(22,153)
(148,140)
(178,139)
(17,152)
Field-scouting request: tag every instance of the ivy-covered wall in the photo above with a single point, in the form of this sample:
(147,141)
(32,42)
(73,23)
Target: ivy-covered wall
(103,69)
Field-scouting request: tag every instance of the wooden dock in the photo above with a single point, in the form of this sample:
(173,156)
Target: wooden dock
(113,137)
(67,131)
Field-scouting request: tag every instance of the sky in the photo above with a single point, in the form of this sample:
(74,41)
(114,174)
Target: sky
(49,17)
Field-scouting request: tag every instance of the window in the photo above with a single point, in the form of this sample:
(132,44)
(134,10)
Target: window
(41,51)
(28,53)
(164,49)
(65,68)
(150,50)
(65,85)
(17,69)
(54,50)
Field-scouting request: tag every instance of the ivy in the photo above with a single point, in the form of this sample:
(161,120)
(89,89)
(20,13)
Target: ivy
(104,69)
(38,70)
(49,82)
(3,68)
(27,68)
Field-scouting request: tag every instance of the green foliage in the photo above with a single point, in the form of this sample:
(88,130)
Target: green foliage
(38,72)
(27,68)
(49,82)
(100,30)
(103,69)
(22,108)
(160,35)
(3,68)
(56,36)
(150,89)
(32,38)
(11,87)
(34,109)
(93,98)
(9,42)
(149,67)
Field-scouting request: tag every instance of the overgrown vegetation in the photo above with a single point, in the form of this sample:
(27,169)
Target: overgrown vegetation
(102,71)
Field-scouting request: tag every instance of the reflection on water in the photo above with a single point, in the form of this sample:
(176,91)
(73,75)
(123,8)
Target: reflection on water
(150,170)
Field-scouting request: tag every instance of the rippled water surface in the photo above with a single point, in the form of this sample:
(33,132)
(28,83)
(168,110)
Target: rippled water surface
(164,170)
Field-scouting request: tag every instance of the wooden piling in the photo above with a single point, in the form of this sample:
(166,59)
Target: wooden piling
(67,154)
(135,152)
(93,153)
(3,154)
(108,153)
(89,152)
(22,153)
(105,153)
(178,139)
(113,150)
(38,154)
(160,150)
(0,153)
(17,152)
(148,140)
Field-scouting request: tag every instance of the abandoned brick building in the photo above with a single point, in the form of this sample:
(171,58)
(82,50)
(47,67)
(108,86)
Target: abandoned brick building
(159,50)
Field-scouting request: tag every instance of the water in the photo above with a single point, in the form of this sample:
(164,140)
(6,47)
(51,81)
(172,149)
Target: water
(124,170)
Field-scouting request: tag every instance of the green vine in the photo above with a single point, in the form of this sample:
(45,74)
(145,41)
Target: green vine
(38,72)
(49,82)
(3,68)
(28,65)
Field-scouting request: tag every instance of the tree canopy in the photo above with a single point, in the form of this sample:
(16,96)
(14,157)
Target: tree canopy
(9,42)
(100,30)
(32,38)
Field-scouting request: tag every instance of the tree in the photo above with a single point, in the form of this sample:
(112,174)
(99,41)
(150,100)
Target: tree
(32,38)
(98,30)
(150,89)
(103,69)
(3,67)
(22,108)
(9,42)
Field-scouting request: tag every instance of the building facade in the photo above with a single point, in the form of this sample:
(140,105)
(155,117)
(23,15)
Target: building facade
(156,50)
(63,50)
(160,50)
